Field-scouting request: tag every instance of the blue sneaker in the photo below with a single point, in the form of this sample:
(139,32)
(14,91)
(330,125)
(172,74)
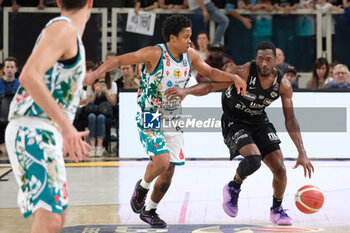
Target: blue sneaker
(138,198)
(152,218)
(279,216)
(230,200)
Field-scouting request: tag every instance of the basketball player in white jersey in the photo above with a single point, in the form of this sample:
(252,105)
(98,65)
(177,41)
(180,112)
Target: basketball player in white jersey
(166,65)
(40,131)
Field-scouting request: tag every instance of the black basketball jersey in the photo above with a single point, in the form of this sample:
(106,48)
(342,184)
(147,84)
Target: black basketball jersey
(250,108)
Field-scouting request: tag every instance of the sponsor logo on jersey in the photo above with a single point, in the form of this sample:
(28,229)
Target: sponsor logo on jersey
(250,96)
(177,73)
(169,84)
(273,136)
(275,88)
(256,105)
(184,62)
(273,94)
(267,101)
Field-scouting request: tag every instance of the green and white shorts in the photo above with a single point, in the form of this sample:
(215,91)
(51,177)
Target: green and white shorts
(157,142)
(35,151)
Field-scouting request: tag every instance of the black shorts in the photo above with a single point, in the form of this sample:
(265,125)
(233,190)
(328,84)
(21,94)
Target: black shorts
(237,135)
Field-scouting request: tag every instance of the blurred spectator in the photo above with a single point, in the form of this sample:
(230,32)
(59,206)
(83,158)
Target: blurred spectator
(217,59)
(331,72)
(262,30)
(280,63)
(291,75)
(319,74)
(230,9)
(145,5)
(141,39)
(209,10)
(9,84)
(102,97)
(341,78)
(202,46)
(8,87)
(128,79)
(17,4)
(286,6)
(173,4)
(324,7)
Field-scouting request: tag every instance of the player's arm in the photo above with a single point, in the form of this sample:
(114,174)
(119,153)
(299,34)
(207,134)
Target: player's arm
(148,55)
(293,128)
(217,75)
(56,43)
(202,88)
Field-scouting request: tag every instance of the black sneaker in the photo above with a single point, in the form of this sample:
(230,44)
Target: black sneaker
(152,218)
(138,198)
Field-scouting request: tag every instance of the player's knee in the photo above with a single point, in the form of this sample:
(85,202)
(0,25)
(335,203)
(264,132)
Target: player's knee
(280,171)
(249,165)
(55,224)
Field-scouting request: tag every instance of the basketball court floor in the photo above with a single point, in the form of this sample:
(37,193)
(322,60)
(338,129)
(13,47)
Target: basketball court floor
(99,195)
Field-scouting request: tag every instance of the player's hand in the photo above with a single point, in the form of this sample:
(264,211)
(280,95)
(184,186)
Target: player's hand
(172,93)
(41,6)
(304,161)
(15,7)
(247,22)
(73,145)
(240,84)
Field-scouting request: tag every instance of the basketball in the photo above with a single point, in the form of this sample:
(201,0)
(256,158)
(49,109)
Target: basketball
(309,199)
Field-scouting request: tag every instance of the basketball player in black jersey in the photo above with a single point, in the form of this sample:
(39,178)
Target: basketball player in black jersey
(247,130)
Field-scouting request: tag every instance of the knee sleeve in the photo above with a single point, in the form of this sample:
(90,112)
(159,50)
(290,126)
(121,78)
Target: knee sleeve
(249,165)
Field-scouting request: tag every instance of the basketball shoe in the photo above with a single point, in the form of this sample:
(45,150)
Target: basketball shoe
(279,216)
(230,200)
(138,197)
(152,218)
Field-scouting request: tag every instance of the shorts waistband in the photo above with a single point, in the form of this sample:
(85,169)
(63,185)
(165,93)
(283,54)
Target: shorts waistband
(34,122)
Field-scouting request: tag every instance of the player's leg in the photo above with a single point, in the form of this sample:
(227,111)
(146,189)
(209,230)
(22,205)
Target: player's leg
(239,141)
(268,142)
(46,222)
(274,160)
(160,159)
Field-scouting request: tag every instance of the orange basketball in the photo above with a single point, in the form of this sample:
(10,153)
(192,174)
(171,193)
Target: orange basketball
(309,199)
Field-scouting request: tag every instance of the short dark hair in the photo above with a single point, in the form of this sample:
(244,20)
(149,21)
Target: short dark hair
(266,45)
(173,25)
(73,4)
(11,59)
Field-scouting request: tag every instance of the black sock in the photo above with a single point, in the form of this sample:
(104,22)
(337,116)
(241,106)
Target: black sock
(276,202)
(234,183)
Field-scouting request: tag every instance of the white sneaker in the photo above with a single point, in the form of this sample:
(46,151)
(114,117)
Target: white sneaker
(99,151)
(93,151)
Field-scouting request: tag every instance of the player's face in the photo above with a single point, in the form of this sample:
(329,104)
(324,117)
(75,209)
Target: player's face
(183,40)
(266,60)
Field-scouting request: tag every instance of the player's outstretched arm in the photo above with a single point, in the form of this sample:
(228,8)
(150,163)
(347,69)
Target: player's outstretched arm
(148,55)
(202,88)
(217,75)
(293,128)
(58,42)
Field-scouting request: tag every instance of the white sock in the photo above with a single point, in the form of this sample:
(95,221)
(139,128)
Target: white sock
(144,184)
(151,205)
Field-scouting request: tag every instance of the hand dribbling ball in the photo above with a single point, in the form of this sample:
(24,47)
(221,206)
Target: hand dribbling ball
(309,199)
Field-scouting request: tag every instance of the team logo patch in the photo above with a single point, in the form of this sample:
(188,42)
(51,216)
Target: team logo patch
(273,94)
(151,120)
(177,73)
(169,84)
